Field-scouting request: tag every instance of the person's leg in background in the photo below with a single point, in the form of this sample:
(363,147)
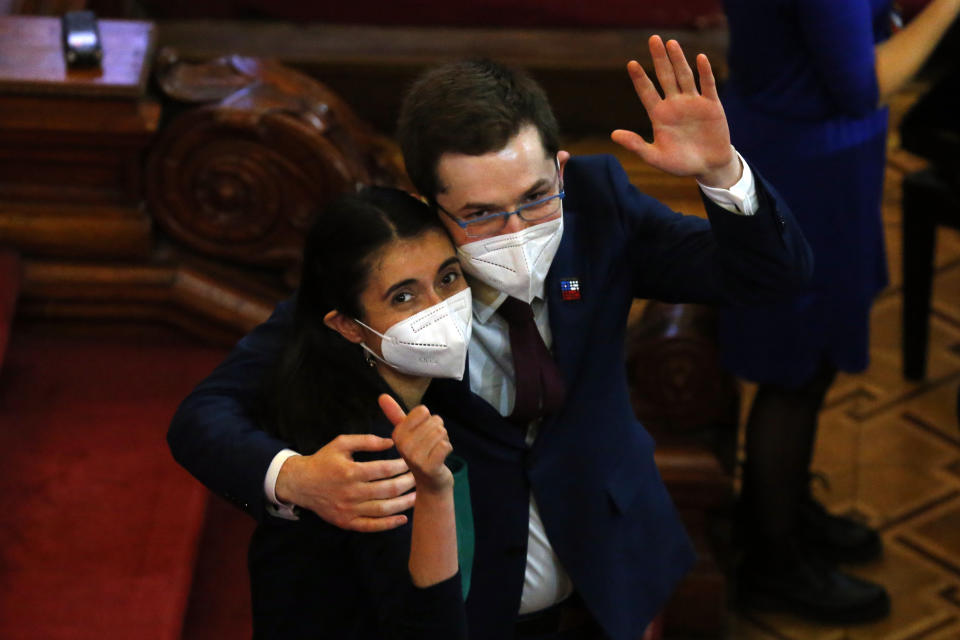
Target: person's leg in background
(790,541)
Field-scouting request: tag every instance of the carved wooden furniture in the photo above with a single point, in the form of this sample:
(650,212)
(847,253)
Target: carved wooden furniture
(929,201)
(242,174)
(248,153)
(70,142)
(691,407)
(931,198)
(9,291)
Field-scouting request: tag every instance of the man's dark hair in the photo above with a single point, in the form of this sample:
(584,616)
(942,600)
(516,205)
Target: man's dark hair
(471,107)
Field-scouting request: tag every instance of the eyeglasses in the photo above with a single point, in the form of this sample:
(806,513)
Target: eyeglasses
(493,223)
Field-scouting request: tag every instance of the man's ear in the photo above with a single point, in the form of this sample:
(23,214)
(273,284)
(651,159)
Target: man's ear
(344,325)
(562,157)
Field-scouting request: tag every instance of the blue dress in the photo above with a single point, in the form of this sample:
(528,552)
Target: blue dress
(802,104)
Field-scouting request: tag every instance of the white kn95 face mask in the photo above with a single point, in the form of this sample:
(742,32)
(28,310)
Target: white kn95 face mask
(514,263)
(431,343)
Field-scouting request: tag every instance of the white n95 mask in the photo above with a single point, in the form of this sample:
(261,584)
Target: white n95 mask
(430,343)
(514,263)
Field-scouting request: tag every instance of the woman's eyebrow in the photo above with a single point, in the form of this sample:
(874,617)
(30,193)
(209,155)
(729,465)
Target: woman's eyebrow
(446,263)
(398,285)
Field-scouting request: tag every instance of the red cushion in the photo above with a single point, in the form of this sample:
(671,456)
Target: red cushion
(622,14)
(505,13)
(99,526)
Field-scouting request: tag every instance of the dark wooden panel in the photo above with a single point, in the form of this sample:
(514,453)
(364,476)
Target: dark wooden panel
(487,13)
(75,115)
(172,293)
(583,70)
(301,43)
(62,231)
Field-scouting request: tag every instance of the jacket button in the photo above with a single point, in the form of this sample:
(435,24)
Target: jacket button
(781,222)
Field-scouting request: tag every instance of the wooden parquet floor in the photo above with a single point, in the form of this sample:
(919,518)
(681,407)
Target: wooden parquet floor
(889,448)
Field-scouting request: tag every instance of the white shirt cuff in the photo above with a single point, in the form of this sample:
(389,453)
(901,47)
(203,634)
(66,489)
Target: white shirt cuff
(274,506)
(741,198)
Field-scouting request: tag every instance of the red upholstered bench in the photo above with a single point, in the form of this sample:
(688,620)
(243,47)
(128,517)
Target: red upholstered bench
(620,14)
(99,526)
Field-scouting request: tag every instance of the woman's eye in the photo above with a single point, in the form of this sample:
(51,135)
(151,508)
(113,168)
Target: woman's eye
(473,215)
(402,297)
(533,197)
(450,277)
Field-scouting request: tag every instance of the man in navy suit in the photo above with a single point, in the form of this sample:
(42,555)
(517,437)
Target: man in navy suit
(571,516)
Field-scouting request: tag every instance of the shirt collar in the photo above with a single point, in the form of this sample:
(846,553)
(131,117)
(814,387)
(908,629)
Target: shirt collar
(486,299)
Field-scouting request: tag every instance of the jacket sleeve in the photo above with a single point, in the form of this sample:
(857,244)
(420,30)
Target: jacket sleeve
(728,259)
(404,611)
(840,42)
(213,434)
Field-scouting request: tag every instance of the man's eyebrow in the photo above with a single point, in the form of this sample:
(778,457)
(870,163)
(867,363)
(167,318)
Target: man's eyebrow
(539,184)
(398,285)
(536,186)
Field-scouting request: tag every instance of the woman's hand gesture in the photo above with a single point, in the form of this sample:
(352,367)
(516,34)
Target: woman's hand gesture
(422,442)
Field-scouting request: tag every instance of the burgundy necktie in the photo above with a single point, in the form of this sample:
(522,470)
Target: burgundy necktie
(539,384)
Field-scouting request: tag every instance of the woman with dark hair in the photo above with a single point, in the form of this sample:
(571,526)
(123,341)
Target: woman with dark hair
(382,308)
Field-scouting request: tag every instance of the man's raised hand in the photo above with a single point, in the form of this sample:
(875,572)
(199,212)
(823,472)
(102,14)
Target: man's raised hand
(690,133)
(361,496)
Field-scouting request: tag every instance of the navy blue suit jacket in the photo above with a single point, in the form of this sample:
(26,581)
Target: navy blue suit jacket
(591,468)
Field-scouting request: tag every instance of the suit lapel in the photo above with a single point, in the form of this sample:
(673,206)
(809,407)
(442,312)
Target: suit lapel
(569,317)
(454,398)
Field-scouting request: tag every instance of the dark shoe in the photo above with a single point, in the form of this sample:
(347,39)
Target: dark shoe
(836,538)
(797,581)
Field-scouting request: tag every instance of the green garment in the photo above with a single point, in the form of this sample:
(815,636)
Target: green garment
(464,517)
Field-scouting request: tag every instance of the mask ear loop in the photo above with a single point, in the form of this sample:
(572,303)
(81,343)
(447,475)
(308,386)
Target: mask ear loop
(369,328)
(369,355)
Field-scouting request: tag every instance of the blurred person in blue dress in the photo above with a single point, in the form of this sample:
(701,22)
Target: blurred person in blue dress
(805,100)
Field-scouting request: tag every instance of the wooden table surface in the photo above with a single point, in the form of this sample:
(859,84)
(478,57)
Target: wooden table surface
(31,59)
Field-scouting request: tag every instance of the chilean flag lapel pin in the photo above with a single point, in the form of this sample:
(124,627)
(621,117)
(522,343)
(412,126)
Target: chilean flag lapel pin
(570,289)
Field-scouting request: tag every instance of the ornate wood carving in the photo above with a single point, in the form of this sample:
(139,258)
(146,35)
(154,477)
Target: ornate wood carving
(690,404)
(9,291)
(241,174)
(676,380)
(248,152)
